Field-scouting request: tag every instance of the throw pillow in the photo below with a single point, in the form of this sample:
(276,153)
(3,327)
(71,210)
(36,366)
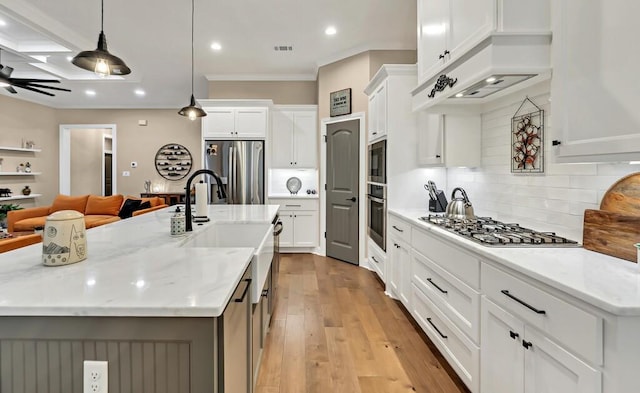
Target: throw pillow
(144,205)
(128,207)
(66,202)
(108,206)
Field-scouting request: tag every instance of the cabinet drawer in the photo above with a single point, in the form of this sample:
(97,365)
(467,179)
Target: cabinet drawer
(295,203)
(377,259)
(464,266)
(574,328)
(399,228)
(460,352)
(459,302)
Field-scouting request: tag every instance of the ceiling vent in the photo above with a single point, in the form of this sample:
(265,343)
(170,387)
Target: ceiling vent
(283,48)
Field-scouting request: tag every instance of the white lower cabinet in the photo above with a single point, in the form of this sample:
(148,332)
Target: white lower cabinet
(377,258)
(300,221)
(461,353)
(399,270)
(517,358)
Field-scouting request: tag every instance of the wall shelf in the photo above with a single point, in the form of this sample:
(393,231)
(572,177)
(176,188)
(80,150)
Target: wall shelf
(18,197)
(20,173)
(6,148)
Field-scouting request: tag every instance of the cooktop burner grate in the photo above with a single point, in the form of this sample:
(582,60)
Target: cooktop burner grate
(489,232)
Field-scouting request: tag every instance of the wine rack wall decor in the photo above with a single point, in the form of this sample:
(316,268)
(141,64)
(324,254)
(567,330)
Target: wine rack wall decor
(173,161)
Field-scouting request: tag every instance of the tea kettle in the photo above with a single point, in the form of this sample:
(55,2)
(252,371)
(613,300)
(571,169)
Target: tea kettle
(459,207)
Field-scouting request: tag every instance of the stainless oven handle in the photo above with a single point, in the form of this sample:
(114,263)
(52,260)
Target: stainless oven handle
(277,230)
(375,199)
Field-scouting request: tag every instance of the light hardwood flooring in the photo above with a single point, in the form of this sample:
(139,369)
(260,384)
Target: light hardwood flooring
(335,331)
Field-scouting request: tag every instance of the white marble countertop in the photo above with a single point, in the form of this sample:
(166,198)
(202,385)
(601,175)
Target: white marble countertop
(609,283)
(134,268)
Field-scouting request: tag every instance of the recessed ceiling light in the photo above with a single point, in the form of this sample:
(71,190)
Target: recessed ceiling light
(491,79)
(459,95)
(140,92)
(330,30)
(2,23)
(90,92)
(216,46)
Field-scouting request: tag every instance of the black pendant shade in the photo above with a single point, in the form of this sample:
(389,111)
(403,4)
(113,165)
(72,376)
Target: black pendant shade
(89,58)
(100,60)
(192,111)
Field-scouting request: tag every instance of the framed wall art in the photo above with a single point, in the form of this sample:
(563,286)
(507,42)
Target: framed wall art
(340,103)
(527,139)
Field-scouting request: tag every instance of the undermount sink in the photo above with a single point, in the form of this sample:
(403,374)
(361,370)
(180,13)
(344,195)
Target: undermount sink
(255,235)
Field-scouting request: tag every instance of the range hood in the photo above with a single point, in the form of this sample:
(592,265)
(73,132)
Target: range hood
(499,65)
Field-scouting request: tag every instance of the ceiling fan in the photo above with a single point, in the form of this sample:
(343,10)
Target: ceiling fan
(36,85)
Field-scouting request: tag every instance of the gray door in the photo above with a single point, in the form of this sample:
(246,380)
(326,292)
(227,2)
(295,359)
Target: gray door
(342,190)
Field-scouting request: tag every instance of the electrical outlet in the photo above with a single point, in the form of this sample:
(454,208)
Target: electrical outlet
(126,173)
(95,377)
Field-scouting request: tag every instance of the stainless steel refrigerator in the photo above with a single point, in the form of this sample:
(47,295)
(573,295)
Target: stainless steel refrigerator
(240,164)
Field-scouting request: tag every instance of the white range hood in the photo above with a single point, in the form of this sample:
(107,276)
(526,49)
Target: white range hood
(499,65)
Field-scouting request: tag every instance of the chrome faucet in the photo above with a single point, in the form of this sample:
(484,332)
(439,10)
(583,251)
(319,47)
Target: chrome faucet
(187,198)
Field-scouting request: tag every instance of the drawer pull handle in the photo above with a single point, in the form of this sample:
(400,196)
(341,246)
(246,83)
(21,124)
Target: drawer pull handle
(397,229)
(293,205)
(374,259)
(437,330)
(244,293)
(526,344)
(436,285)
(510,296)
(513,334)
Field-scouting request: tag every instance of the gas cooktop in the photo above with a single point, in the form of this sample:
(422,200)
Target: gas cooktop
(489,232)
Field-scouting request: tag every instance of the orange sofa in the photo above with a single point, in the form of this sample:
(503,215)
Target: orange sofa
(97,210)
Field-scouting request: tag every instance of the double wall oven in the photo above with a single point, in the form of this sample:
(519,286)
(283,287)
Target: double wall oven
(377,194)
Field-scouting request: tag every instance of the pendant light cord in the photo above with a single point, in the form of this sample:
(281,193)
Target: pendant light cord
(102,16)
(192,17)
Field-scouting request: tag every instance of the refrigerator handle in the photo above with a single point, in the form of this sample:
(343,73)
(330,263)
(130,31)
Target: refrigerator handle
(255,174)
(230,178)
(235,177)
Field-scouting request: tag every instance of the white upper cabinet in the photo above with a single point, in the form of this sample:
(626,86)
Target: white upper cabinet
(294,137)
(449,140)
(235,119)
(378,113)
(594,94)
(447,27)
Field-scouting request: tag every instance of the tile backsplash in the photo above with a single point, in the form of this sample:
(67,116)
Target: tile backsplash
(552,201)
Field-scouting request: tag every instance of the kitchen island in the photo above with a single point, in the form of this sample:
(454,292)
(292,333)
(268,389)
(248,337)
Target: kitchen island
(539,319)
(158,308)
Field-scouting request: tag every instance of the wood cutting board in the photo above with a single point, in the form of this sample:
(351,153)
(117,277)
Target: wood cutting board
(615,228)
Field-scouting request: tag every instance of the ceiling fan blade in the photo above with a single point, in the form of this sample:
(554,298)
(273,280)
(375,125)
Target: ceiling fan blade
(47,87)
(36,90)
(11,90)
(28,80)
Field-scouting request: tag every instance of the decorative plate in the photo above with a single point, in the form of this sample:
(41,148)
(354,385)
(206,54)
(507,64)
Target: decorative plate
(294,184)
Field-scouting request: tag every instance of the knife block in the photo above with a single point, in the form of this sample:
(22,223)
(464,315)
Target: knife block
(438,205)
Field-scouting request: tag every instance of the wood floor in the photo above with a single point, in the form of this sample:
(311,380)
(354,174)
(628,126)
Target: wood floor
(335,331)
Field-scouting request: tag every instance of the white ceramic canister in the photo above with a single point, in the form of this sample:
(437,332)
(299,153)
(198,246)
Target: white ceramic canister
(64,240)
(178,224)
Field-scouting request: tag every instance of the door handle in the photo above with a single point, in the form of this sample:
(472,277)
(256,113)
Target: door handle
(352,199)
(244,293)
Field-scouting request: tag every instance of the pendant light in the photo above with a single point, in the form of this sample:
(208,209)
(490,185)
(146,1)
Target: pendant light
(192,111)
(100,60)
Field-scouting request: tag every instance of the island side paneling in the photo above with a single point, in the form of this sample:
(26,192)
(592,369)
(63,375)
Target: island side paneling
(145,355)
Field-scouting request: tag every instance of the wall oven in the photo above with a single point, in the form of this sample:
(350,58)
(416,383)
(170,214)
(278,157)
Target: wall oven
(377,214)
(378,162)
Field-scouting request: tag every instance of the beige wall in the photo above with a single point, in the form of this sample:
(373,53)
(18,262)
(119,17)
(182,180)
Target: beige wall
(379,57)
(141,143)
(24,120)
(86,161)
(281,92)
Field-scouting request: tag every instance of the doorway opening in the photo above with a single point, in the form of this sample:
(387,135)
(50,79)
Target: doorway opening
(88,159)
